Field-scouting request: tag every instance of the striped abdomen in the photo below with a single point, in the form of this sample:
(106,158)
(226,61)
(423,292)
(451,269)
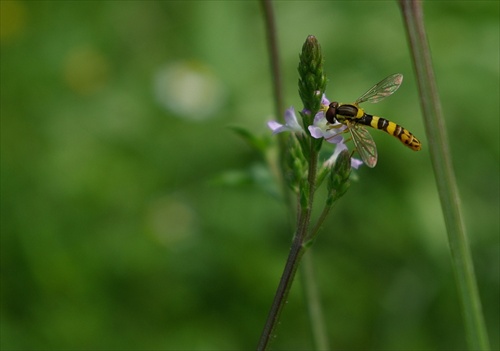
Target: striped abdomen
(391,128)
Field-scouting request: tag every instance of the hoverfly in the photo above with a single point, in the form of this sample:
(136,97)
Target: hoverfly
(355,118)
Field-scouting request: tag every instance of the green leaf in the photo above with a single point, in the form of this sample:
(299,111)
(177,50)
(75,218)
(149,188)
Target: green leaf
(259,144)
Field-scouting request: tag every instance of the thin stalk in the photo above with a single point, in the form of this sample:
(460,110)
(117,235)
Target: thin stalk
(319,222)
(296,252)
(310,285)
(304,215)
(272,45)
(445,178)
(281,296)
(316,317)
(274,61)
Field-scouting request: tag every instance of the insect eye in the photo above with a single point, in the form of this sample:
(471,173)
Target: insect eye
(331,112)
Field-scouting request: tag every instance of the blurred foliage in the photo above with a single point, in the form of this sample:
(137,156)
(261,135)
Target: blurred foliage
(114,126)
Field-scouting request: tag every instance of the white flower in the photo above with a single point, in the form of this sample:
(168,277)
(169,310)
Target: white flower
(322,129)
(355,163)
(291,123)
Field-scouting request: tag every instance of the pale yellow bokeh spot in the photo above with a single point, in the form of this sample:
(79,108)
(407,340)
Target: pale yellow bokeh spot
(86,70)
(12,19)
(189,89)
(171,221)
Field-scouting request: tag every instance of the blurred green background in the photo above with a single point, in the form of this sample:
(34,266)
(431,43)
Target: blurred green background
(116,234)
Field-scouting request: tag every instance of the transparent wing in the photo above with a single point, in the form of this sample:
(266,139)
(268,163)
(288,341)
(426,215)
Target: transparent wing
(382,89)
(364,144)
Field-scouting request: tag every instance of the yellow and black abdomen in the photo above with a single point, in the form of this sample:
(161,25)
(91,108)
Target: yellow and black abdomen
(391,128)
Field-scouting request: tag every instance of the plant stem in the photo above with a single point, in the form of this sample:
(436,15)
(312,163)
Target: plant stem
(281,296)
(314,304)
(272,45)
(294,257)
(274,60)
(445,177)
(319,223)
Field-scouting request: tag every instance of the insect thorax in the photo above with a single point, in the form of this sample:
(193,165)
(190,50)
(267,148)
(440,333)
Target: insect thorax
(343,112)
(348,111)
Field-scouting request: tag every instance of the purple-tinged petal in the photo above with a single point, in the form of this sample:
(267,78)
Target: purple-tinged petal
(291,120)
(355,163)
(306,112)
(319,118)
(334,136)
(316,132)
(322,129)
(338,149)
(275,127)
(291,123)
(324,100)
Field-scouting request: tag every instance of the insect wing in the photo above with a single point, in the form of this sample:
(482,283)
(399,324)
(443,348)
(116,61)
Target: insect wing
(364,144)
(382,89)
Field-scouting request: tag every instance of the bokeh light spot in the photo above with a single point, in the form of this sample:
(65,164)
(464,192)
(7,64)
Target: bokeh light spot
(189,89)
(171,221)
(86,70)
(12,19)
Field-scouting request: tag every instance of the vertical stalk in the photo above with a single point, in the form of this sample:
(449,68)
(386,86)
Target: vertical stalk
(274,60)
(272,45)
(314,304)
(294,257)
(304,214)
(444,174)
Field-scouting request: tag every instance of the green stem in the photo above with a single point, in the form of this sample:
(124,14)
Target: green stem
(281,296)
(272,45)
(445,177)
(314,303)
(319,223)
(274,60)
(296,252)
